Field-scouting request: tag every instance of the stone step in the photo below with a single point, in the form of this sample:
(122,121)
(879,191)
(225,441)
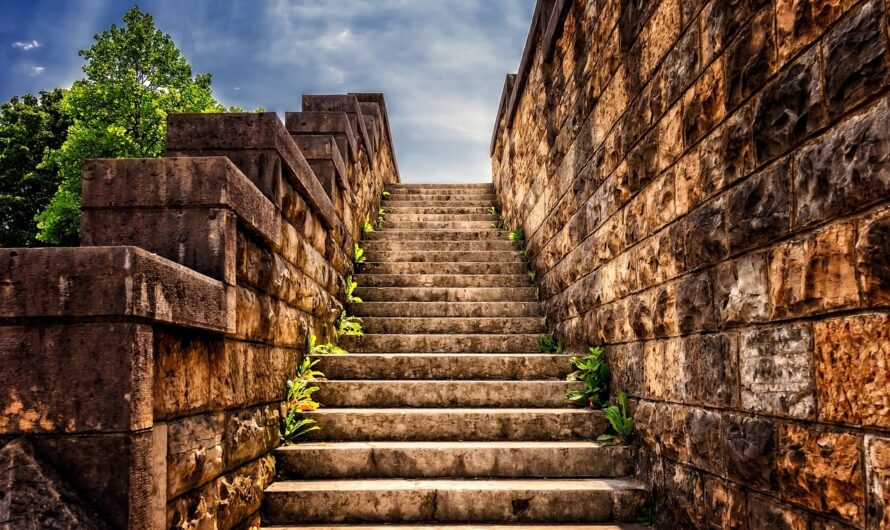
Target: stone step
(446,294)
(443,186)
(566,459)
(444,195)
(436,225)
(436,235)
(440,246)
(421,267)
(443,280)
(450,500)
(370,343)
(446,309)
(414,203)
(436,394)
(440,191)
(453,325)
(433,254)
(429,217)
(456,366)
(456,424)
(463,527)
(436,210)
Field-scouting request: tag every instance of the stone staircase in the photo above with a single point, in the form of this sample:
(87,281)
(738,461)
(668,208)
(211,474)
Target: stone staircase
(444,414)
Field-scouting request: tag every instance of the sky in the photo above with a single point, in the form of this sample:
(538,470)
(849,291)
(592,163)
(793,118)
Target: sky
(439,63)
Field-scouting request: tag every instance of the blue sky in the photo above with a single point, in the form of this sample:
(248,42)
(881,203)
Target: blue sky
(440,63)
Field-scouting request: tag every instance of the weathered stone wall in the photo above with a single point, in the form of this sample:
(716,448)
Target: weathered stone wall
(148,366)
(705,189)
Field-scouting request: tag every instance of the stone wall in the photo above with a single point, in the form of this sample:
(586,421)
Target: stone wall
(147,368)
(705,189)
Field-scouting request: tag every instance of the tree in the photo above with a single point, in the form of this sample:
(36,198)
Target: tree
(134,77)
(28,127)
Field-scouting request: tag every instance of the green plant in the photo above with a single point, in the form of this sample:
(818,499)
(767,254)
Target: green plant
(349,325)
(384,194)
(499,219)
(358,254)
(381,213)
(621,423)
(646,516)
(299,400)
(549,344)
(323,349)
(517,236)
(367,227)
(593,370)
(532,275)
(350,289)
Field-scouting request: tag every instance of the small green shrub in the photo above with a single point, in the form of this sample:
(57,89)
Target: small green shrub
(323,349)
(367,227)
(358,254)
(593,370)
(350,289)
(549,344)
(381,214)
(517,236)
(349,325)
(299,400)
(532,275)
(384,194)
(622,424)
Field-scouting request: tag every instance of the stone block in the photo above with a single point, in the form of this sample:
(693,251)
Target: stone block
(877,470)
(664,311)
(741,290)
(759,209)
(750,59)
(194,452)
(670,138)
(823,471)
(240,492)
(856,57)
(671,426)
(722,20)
(852,379)
(727,154)
(704,440)
(873,258)
(70,378)
(790,109)
(706,235)
(250,433)
(764,513)
(814,274)
(100,282)
(749,447)
(801,22)
(723,504)
(695,303)
(194,511)
(704,104)
(845,170)
(682,63)
(662,375)
(775,365)
(710,370)
(626,363)
(681,500)
(183,368)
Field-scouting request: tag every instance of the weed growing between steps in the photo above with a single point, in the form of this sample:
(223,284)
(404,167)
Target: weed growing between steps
(358,254)
(549,344)
(622,424)
(349,325)
(351,286)
(593,370)
(381,216)
(367,227)
(499,218)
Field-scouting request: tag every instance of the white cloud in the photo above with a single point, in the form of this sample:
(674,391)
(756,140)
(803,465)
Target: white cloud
(26,46)
(37,70)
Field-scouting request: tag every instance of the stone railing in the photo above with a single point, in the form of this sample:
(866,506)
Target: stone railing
(145,370)
(704,187)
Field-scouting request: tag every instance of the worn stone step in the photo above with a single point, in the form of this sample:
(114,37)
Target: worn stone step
(436,225)
(481,190)
(443,280)
(441,186)
(394,343)
(429,217)
(428,526)
(437,235)
(432,267)
(446,309)
(447,294)
(465,394)
(456,424)
(436,210)
(453,325)
(440,246)
(457,366)
(562,459)
(453,500)
(451,256)
(413,203)
(489,199)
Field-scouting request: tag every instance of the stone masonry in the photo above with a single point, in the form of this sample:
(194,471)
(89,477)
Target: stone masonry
(143,372)
(705,189)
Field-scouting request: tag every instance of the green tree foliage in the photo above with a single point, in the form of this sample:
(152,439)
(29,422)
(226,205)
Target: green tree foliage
(134,77)
(28,126)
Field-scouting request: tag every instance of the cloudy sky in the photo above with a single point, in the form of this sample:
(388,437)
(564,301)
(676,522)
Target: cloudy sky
(440,63)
